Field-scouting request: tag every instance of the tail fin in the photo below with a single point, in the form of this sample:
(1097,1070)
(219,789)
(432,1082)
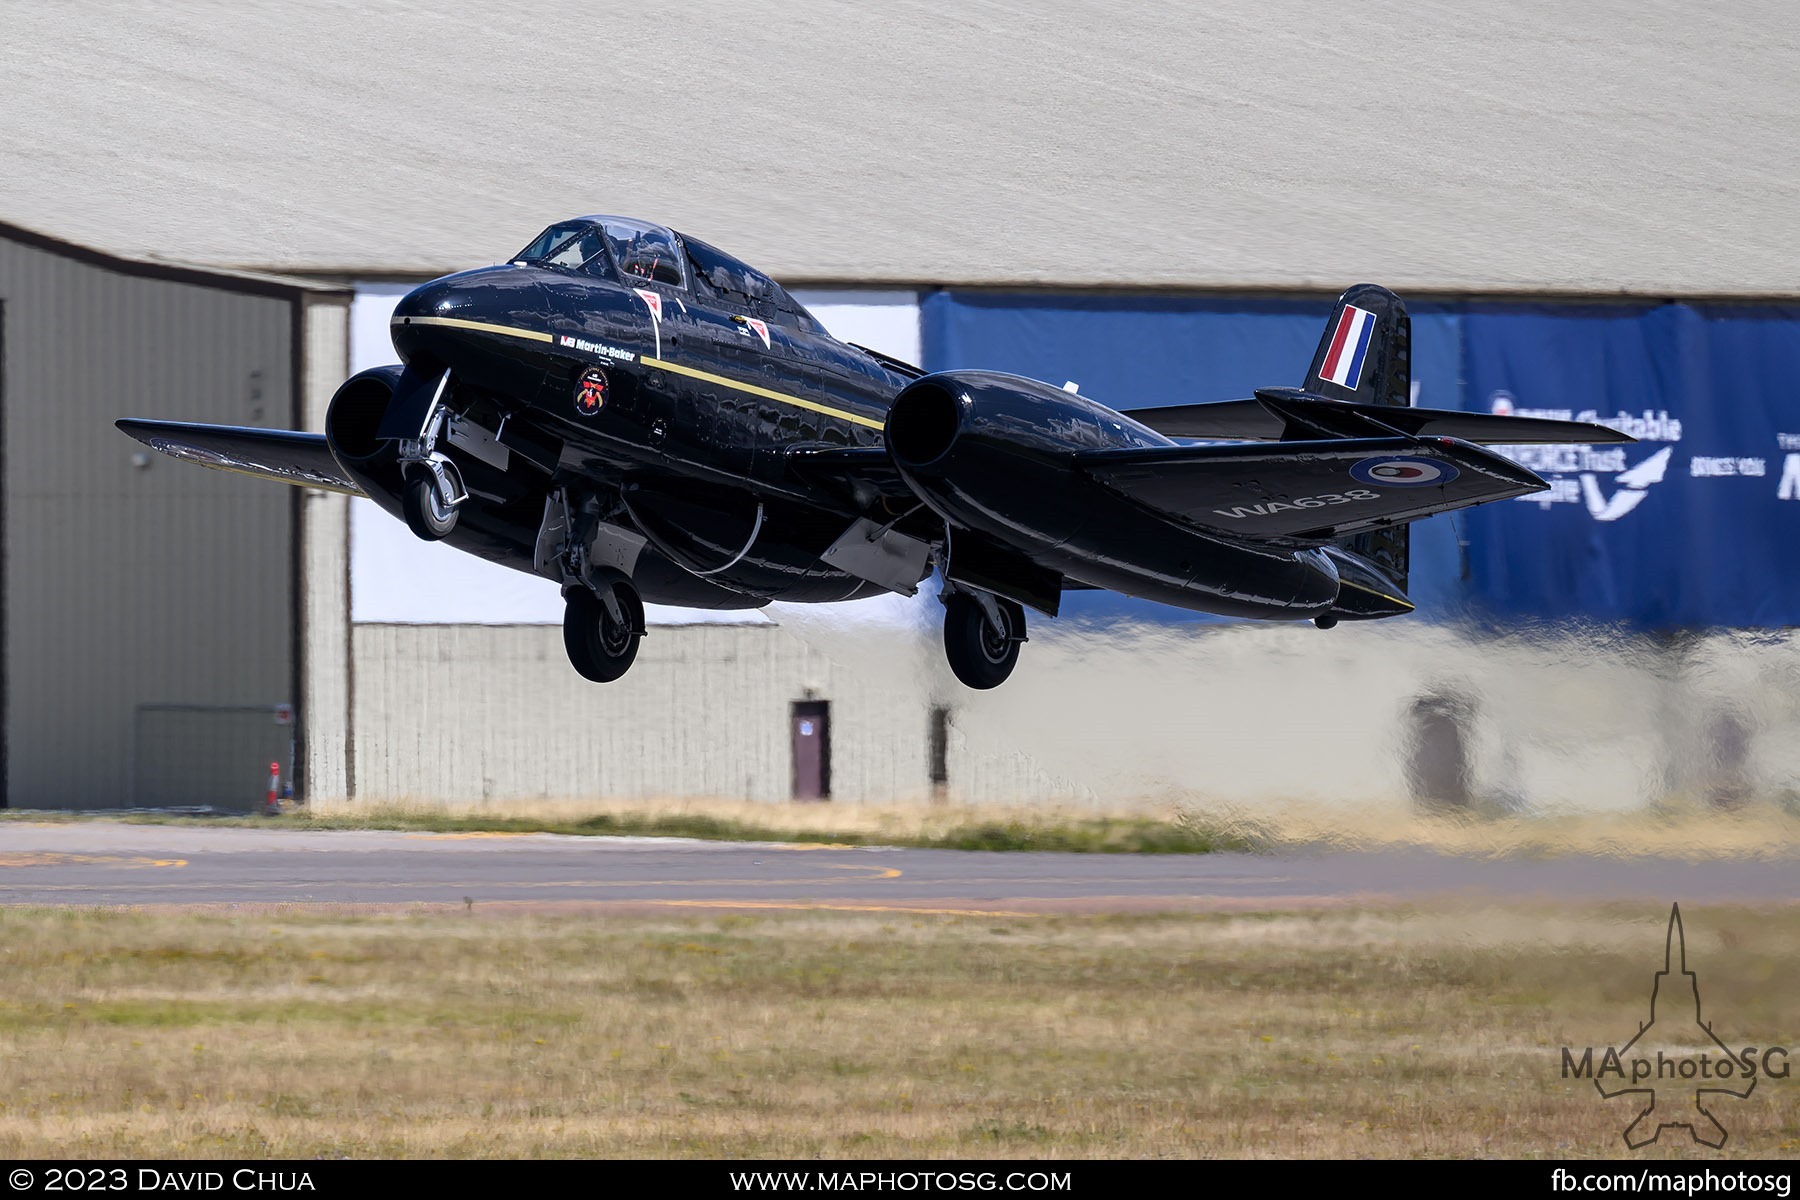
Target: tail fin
(1366,356)
(1366,353)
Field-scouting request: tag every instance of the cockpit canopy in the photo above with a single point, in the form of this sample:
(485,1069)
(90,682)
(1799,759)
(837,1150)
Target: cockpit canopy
(636,253)
(639,252)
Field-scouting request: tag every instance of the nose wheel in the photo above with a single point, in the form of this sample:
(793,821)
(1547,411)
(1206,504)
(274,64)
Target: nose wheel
(981,638)
(430,501)
(601,632)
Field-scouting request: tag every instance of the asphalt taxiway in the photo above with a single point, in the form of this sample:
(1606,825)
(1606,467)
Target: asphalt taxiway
(126,864)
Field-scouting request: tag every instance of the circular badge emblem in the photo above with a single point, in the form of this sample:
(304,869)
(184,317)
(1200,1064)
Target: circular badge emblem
(1397,471)
(590,392)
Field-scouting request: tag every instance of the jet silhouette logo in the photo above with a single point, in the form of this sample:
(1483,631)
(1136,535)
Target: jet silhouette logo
(1634,485)
(1676,1067)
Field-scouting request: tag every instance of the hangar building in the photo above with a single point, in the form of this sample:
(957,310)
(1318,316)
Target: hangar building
(1588,210)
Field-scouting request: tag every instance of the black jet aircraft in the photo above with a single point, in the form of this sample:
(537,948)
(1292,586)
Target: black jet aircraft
(639,417)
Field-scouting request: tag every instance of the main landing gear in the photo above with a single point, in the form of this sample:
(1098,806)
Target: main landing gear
(982,633)
(601,631)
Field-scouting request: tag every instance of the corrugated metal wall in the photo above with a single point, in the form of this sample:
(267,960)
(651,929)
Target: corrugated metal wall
(144,598)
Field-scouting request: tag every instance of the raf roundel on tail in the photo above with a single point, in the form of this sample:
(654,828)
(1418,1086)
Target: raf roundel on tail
(732,453)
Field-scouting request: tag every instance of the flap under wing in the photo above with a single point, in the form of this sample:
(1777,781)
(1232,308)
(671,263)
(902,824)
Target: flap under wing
(1319,490)
(1286,413)
(279,454)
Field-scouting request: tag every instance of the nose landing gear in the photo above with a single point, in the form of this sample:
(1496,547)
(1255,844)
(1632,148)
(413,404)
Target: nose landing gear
(982,633)
(433,488)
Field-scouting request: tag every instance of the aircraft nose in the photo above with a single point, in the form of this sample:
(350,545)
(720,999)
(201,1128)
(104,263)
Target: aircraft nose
(438,298)
(412,332)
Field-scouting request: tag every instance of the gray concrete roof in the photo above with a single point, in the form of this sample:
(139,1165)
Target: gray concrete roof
(1602,146)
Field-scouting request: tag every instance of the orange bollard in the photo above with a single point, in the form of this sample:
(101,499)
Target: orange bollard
(272,804)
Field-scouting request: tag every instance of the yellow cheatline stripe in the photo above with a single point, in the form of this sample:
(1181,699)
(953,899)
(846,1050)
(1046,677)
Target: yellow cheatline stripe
(752,389)
(661,364)
(529,335)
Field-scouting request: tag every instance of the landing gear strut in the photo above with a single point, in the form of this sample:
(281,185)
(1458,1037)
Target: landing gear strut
(982,633)
(433,488)
(601,632)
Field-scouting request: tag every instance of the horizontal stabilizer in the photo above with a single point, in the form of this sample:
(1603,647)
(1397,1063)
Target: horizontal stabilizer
(278,454)
(1312,491)
(1288,414)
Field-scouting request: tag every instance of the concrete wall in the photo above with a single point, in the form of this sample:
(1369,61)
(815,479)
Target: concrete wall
(324,772)
(1239,715)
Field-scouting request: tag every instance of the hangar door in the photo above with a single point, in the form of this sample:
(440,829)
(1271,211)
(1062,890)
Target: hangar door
(149,605)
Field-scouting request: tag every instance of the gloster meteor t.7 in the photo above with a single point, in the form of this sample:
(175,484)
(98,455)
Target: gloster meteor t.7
(639,417)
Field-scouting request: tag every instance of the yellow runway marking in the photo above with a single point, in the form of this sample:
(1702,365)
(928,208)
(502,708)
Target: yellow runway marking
(474,885)
(831,906)
(50,858)
(469,834)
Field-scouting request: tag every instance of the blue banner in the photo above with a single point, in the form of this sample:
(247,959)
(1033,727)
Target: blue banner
(1690,527)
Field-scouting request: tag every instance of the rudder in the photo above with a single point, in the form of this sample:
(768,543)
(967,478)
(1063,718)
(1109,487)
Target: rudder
(1366,353)
(1366,356)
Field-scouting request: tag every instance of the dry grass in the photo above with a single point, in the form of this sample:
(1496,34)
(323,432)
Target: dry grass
(440,1033)
(1182,824)
(1672,829)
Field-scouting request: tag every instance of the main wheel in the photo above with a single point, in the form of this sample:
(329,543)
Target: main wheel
(981,655)
(599,648)
(428,514)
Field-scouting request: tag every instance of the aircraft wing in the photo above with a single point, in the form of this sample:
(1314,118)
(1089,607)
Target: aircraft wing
(1310,490)
(1284,414)
(279,454)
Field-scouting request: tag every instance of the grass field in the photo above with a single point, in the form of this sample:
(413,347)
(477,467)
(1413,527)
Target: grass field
(435,1032)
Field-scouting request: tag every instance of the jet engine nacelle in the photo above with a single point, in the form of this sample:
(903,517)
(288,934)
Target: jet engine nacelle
(992,452)
(993,455)
(368,454)
(352,424)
